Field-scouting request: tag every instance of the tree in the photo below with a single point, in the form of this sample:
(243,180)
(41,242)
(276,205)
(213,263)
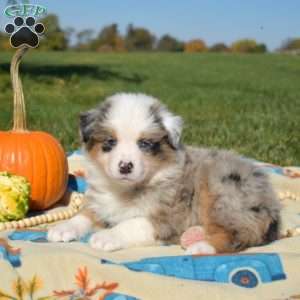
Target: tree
(69,32)
(219,47)
(139,39)
(54,37)
(195,46)
(84,39)
(291,45)
(109,39)
(248,46)
(169,43)
(261,48)
(4,42)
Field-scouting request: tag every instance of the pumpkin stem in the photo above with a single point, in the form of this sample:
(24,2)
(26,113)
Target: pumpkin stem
(19,103)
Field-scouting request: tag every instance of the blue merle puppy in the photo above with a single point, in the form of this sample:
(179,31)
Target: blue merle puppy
(145,186)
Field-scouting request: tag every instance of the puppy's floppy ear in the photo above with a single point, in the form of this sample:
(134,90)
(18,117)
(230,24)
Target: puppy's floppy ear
(87,122)
(90,121)
(173,124)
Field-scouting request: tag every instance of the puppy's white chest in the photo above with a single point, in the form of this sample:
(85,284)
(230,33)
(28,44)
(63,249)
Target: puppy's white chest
(112,210)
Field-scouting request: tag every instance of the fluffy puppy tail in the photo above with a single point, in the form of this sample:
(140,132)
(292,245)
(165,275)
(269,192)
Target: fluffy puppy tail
(238,207)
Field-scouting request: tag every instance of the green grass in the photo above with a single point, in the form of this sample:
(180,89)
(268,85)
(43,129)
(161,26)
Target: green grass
(249,103)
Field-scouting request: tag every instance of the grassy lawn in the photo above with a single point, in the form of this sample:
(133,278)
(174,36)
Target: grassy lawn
(249,103)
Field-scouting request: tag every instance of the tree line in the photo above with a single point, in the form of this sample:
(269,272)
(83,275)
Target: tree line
(109,39)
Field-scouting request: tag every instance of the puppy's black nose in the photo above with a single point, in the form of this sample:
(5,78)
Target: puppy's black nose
(125,167)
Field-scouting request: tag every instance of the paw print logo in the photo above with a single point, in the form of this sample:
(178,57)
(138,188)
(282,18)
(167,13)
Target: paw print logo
(24,32)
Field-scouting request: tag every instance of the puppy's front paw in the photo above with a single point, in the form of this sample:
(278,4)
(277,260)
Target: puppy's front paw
(63,232)
(202,247)
(106,240)
(70,230)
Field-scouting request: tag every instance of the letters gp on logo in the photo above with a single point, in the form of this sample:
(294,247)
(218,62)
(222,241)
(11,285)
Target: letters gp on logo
(24,10)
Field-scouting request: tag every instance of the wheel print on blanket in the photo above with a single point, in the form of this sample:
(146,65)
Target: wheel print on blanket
(245,278)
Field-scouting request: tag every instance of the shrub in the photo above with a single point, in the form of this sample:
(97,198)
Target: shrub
(248,46)
(138,38)
(219,47)
(109,39)
(195,46)
(4,42)
(54,38)
(169,43)
(291,45)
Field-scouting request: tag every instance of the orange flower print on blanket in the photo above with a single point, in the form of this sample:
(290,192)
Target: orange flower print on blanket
(293,297)
(26,290)
(85,290)
(291,173)
(22,289)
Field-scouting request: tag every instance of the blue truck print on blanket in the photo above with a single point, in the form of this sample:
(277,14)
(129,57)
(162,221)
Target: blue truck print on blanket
(244,270)
(116,296)
(12,255)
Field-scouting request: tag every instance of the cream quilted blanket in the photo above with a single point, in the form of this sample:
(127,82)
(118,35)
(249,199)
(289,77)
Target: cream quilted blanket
(31,268)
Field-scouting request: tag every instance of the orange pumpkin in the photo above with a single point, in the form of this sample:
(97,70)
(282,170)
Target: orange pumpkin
(36,155)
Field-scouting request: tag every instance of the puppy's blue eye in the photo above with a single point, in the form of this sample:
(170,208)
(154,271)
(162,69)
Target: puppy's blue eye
(145,144)
(108,144)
